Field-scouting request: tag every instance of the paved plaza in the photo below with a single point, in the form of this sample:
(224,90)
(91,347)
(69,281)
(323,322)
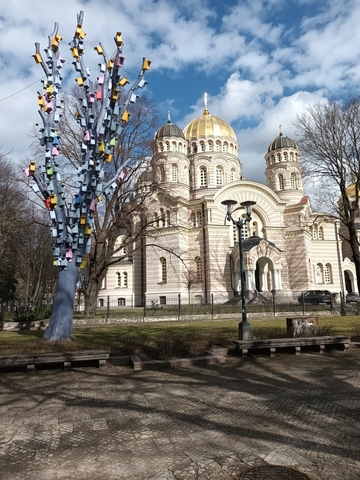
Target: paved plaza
(200,422)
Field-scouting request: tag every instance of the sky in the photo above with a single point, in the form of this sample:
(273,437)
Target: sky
(261,62)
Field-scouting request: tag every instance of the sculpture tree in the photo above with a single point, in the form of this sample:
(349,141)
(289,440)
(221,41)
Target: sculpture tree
(102,117)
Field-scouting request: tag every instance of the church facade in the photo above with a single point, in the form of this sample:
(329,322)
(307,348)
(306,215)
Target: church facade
(192,249)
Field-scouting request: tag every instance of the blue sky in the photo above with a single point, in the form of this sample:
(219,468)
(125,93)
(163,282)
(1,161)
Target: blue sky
(260,62)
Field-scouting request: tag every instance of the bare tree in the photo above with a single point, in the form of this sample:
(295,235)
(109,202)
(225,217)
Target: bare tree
(329,138)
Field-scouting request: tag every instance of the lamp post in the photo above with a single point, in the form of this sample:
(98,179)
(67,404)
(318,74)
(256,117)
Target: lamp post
(245,332)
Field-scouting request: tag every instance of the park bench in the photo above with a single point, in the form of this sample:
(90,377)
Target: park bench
(294,345)
(66,360)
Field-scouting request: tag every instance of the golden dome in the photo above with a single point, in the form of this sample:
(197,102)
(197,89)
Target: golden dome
(208,125)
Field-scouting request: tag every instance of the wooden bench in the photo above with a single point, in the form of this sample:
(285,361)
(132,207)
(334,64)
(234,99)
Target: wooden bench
(294,345)
(66,359)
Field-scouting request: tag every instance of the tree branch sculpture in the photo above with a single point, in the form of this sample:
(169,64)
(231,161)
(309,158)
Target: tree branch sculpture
(102,118)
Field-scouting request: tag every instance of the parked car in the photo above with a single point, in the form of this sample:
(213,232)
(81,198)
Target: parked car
(352,298)
(315,297)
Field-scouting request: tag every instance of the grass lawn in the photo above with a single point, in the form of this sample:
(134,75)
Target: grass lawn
(164,337)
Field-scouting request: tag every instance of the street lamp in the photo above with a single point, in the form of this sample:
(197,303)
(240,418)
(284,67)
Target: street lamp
(245,332)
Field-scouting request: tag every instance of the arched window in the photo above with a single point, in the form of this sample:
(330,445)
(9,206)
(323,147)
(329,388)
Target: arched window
(281,181)
(125,280)
(321,233)
(193,219)
(327,273)
(162,173)
(199,269)
(225,147)
(255,229)
(285,156)
(232,175)
(291,156)
(219,176)
(203,177)
(231,149)
(162,217)
(210,145)
(179,147)
(218,145)
(319,274)
(167,146)
(202,146)
(174,172)
(118,279)
(163,271)
(161,147)
(293,180)
(194,147)
(244,230)
(199,219)
(314,232)
(273,159)
(173,146)
(278,157)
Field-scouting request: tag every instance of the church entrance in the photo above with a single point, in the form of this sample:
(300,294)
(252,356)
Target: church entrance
(264,275)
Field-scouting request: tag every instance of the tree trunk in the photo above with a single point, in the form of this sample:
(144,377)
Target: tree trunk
(91,293)
(356,255)
(60,326)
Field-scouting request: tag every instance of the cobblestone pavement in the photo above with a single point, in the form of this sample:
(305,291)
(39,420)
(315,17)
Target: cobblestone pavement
(204,422)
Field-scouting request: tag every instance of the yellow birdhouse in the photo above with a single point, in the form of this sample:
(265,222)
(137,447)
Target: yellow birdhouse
(123,82)
(53,200)
(146,64)
(118,39)
(79,33)
(41,101)
(37,57)
(82,220)
(32,167)
(87,230)
(111,64)
(109,158)
(99,49)
(75,52)
(125,116)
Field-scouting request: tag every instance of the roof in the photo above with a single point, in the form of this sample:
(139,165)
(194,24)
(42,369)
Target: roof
(282,141)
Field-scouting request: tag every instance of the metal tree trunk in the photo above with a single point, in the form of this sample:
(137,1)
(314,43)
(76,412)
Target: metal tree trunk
(60,326)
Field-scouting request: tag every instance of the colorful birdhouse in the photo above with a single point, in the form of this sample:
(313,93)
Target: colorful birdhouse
(146,64)
(125,116)
(124,81)
(99,50)
(118,39)
(53,200)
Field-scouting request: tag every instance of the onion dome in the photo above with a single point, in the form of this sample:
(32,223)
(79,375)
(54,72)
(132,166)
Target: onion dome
(208,125)
(282,142)
(169,130)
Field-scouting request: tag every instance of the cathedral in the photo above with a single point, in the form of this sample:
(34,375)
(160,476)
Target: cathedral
(190,247)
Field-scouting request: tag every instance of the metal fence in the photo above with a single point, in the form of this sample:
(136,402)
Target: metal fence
(178,306)
(270,303)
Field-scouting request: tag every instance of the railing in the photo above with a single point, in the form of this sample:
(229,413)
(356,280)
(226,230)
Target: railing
(263,303)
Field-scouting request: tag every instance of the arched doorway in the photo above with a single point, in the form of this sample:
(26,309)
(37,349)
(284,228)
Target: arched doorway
(264,275)
(349,281)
